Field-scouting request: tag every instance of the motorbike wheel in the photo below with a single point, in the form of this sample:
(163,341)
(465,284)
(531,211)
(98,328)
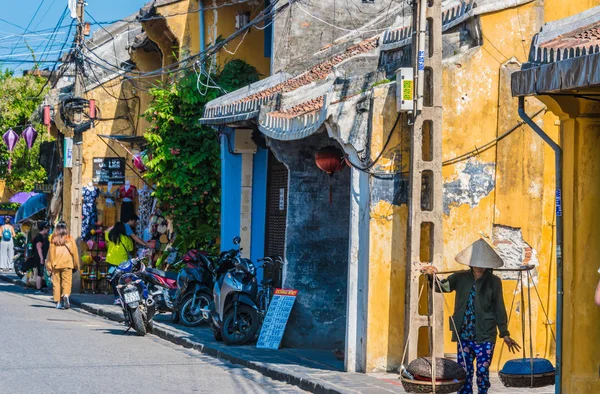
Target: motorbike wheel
(19,266)
(186,315)
(138,322)
(246,329)
(216,333)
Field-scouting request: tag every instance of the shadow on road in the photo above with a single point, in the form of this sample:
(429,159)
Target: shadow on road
(42,306)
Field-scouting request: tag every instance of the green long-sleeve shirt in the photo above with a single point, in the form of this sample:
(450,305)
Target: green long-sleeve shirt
(490,311)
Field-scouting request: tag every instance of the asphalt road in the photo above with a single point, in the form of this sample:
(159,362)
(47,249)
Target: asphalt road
(44,350)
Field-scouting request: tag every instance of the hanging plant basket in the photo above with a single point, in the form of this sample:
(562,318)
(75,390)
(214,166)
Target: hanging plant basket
(517,373)
(450,376)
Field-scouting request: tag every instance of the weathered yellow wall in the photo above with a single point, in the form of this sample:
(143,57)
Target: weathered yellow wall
(182,18)
(251,48)
(580,133)
(387,259)
(559,9)
(5,193)
(477,109)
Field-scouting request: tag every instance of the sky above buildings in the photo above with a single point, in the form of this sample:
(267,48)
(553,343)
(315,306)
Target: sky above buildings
(36,30)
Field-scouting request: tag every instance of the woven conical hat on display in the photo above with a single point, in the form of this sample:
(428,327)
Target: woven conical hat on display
(479,254)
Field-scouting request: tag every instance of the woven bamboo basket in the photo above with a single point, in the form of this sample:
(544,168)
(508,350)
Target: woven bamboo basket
(424,386)
(539,380)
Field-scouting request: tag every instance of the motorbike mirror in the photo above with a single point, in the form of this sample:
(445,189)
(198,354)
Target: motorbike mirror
(237,240)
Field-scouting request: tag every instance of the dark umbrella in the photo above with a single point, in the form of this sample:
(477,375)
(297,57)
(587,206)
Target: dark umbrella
(32,206)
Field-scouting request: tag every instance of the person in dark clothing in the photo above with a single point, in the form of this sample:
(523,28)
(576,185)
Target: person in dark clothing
(40,254)
(479,311)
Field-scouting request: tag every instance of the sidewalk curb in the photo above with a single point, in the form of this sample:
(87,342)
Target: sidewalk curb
(165,332)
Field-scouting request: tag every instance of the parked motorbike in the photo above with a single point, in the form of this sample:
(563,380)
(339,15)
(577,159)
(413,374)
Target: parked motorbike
(234,312)
(162,287)
(138,306)
(194,291)
(19,262)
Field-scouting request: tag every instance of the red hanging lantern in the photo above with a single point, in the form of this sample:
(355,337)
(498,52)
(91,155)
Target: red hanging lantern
(331,160)
(47,118)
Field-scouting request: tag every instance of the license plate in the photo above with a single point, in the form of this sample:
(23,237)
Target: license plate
(131,297)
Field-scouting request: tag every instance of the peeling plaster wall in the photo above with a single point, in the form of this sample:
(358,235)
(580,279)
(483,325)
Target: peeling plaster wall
(510,185)
(513,249)
(317,240)
(474,181)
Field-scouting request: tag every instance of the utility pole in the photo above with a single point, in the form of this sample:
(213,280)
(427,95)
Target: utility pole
(425,178)
(78,90)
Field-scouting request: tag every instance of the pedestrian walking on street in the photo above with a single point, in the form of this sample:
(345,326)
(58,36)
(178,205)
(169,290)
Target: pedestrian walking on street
(119,247)
(7,246)
(63,260)
(41,246)
(479,312)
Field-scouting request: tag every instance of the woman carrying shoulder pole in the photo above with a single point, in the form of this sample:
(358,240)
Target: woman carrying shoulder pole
(63,260)
(479,311)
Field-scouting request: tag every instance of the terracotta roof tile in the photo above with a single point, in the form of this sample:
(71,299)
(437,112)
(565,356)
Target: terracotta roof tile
(304,108)
(584,37)
(318,72)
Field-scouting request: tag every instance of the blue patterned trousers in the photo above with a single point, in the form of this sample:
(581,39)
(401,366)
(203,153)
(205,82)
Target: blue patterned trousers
(483,353)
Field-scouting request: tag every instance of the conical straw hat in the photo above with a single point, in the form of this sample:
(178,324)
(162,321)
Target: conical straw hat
(479,254)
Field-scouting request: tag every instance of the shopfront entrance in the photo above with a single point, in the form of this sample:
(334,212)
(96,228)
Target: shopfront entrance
(277,201)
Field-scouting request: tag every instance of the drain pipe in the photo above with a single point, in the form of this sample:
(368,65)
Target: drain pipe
(202,26)
(559,238)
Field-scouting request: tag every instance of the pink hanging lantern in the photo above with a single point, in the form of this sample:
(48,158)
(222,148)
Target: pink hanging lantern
(29,135)
(10,139)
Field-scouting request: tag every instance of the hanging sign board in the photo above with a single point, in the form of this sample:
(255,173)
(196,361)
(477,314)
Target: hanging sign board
(43,188)
(68,155)
(108,169)
(278,314)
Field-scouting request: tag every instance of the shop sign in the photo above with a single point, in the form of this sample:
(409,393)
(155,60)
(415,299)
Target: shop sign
(276,320)
(108,169)
(68,155)
(42,188)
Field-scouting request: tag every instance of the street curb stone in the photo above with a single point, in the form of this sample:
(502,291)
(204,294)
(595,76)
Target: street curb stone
(166,333)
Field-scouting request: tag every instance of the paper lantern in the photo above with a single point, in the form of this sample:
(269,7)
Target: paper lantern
(101,245)
(90,244)
(10,139)
(331,160)
(29,135)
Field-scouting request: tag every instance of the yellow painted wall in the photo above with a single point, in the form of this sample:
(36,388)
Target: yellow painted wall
(580,133)
(477,109)
(559,9)
(251,49)
(5,193)
(182,18)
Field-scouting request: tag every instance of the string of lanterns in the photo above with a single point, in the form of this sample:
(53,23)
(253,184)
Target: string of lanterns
(11,138)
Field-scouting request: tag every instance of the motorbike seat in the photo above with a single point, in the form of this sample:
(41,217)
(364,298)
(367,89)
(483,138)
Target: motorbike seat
(164,274)
(267,282)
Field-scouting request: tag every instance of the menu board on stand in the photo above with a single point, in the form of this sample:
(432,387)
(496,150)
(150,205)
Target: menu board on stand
(276,319)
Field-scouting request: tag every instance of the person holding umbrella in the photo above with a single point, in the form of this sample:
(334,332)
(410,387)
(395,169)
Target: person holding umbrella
(479,311)
(7,246)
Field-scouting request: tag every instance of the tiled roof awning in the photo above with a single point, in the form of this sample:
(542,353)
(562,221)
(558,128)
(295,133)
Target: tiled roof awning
(565,55)
(304,108)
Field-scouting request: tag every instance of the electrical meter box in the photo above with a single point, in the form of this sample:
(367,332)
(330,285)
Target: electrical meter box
(243,142)
(405,89)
